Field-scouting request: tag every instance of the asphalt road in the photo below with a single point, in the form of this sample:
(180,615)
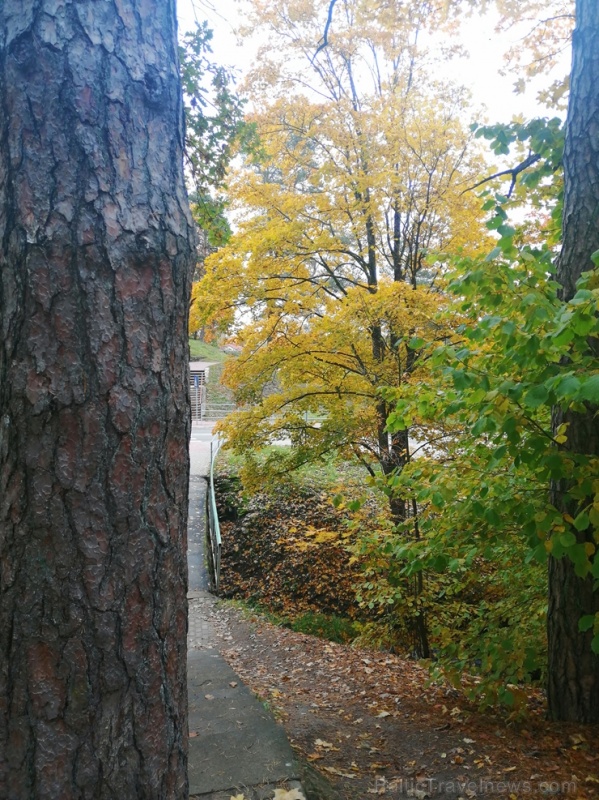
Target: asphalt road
(199,447)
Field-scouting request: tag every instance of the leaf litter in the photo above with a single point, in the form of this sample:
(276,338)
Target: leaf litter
(373,724)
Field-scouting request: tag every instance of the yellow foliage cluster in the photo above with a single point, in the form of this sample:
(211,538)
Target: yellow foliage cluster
(341,223)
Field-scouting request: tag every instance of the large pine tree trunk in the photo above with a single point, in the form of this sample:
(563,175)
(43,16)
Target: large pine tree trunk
(95,250)
(573,668)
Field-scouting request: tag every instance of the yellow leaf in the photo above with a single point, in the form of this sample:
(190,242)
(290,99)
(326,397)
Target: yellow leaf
(324,745)
(291,794)
(334,771)
(326,536)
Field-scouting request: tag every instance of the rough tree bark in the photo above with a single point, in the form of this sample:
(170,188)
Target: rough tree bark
(573,687)
(95,249)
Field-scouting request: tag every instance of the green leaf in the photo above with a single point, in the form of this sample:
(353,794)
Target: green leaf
(499,453)
(558,549)
(586,623)
(567,387)
(479,426)
(582,324)
(416,343)
(437,500)
(492,517)
(555,464)
(590,390)
(581,296)
(540,553)
(506,231)
(541,313)
(595,258)
(536,396)
(507,697)
(568,539)
(582,521)
(595,644)
(493,254)
(440,563)
(461,379)
(563,337)
(582,565)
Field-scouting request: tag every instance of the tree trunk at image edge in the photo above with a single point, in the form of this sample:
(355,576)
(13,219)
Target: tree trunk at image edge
(573,688)
(95,249)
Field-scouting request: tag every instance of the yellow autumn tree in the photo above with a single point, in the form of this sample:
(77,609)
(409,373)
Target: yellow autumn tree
(331,280)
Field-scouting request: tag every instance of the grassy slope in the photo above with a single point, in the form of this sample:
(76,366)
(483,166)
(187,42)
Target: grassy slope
(200,351)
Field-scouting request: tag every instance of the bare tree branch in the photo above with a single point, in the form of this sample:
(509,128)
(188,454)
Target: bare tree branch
(528,162)
(325,38)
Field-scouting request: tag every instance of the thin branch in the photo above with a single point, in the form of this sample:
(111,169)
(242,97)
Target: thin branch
(528,162)
(363,461)
(325,38)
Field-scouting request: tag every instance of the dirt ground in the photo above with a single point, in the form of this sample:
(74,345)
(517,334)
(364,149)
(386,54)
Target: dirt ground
(371,725)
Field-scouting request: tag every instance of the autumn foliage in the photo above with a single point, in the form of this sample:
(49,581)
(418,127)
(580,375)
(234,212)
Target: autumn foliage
(405,307)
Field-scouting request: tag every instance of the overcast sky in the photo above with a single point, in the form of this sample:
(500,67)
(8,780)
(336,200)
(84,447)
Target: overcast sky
(481,72)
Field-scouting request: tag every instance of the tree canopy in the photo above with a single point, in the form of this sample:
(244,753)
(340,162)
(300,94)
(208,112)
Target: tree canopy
(356,191)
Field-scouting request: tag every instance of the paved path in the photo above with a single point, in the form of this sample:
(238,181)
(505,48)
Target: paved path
(235,746)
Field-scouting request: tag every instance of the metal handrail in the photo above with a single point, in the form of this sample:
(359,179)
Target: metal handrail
(213,523)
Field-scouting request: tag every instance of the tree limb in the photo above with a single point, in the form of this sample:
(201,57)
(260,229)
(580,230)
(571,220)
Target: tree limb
(325,38)
(528,162)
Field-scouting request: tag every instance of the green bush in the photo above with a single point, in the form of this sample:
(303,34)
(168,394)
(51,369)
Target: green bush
(333,628)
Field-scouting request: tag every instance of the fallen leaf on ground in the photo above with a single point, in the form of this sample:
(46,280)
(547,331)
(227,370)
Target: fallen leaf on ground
(292,794)
(323,744)
(334,771)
